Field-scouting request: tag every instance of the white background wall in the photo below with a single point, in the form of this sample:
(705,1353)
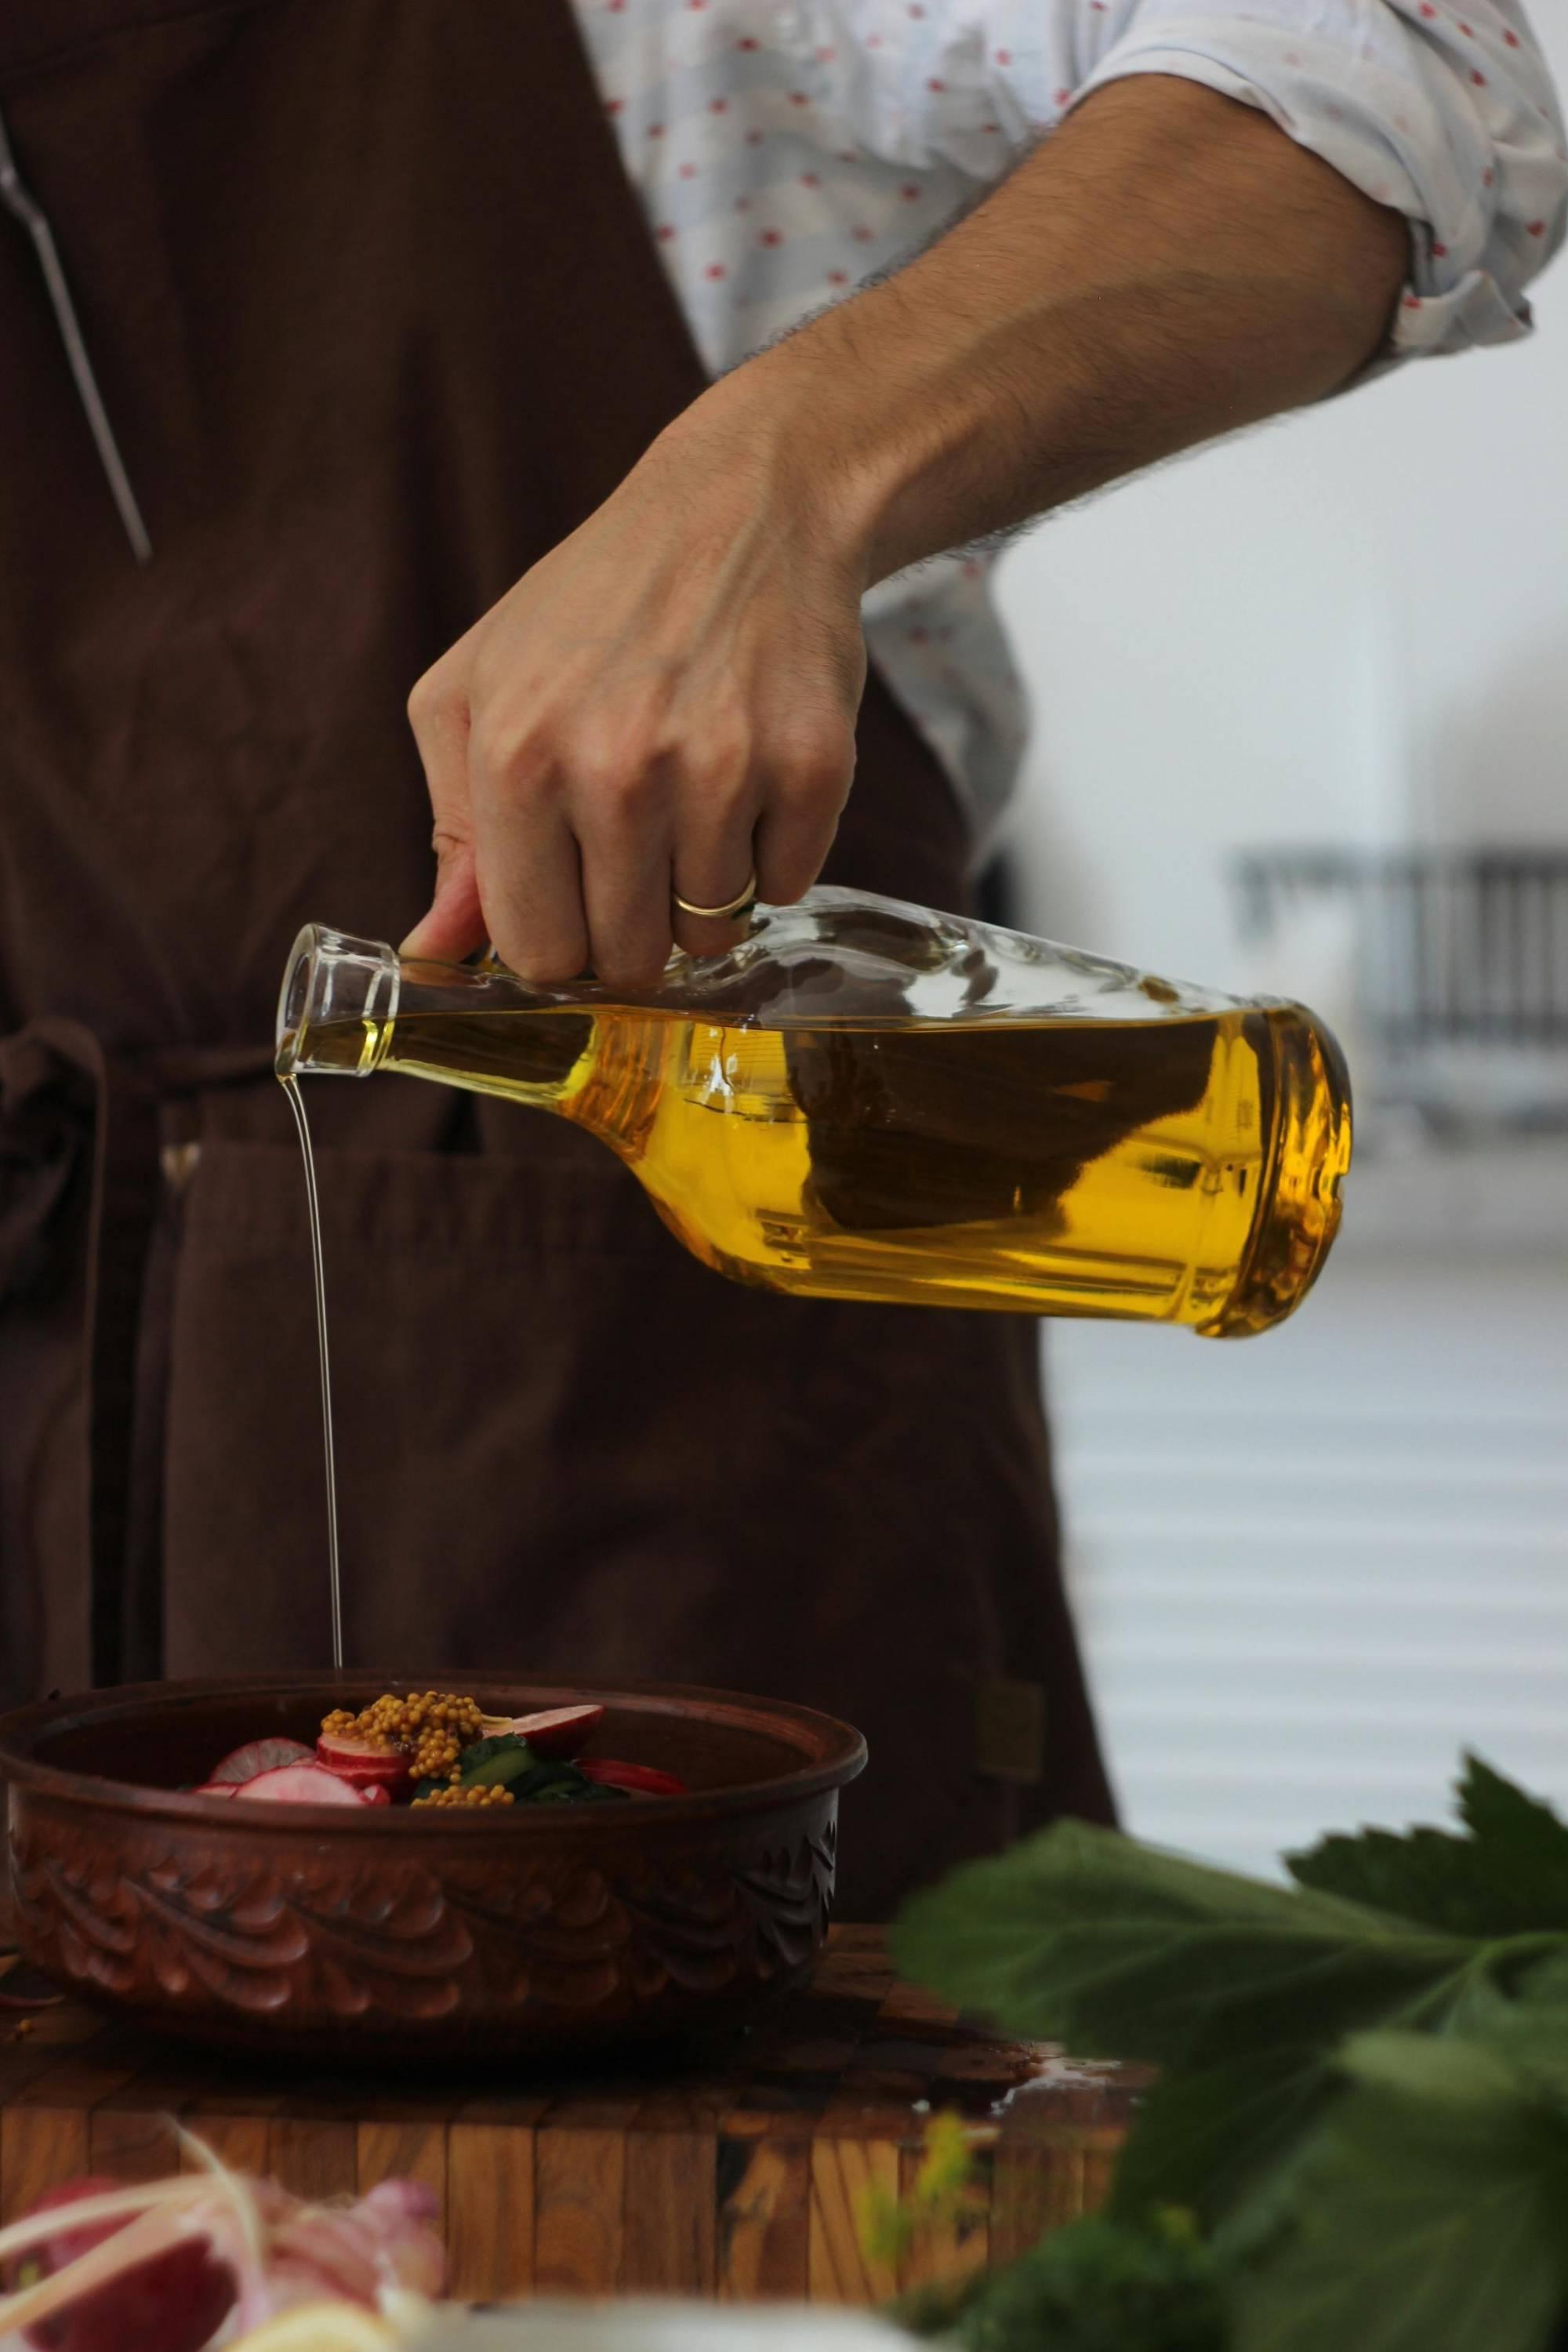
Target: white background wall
(1309,1567)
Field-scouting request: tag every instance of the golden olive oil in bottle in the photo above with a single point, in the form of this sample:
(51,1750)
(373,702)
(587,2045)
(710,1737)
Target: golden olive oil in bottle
(866,1100)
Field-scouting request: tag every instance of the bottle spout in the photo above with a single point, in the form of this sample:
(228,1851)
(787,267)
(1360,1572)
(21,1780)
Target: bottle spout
(337,1003)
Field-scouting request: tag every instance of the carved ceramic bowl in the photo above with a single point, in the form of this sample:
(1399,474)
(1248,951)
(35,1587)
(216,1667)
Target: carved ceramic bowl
(381,1932)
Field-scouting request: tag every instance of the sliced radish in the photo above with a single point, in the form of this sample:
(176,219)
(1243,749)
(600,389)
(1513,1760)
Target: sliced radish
(219,1789)
(173,2302)
(361,1762)
(557,1731)
(258,1756)
(301,1784)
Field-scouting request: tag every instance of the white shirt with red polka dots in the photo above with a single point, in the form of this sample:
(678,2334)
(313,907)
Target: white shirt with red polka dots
(783,150)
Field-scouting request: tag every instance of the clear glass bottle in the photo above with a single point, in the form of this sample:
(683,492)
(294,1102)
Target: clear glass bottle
(867,1100)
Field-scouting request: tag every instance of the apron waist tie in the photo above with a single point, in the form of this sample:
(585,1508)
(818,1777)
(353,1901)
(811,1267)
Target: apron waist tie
(75,1119)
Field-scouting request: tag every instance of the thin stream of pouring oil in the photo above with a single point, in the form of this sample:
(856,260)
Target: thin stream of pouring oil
(290,1086)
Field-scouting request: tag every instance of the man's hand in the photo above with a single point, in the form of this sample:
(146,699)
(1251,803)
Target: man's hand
(662,705)
(669,698)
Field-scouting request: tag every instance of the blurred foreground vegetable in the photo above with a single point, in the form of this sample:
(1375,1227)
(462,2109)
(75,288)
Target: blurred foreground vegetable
(172,2302)
(161,2266)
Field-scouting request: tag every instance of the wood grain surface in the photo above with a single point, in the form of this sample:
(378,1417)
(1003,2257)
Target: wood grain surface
(738,2173)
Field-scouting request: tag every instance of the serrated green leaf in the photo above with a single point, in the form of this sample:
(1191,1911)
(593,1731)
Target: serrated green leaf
(1427,2214)
(1507,1877)
(1079,1936)
(1203,2140)
(1501,1815)
(1428,1876)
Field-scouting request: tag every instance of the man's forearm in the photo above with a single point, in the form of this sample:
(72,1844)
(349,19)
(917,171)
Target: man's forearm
(1168,266)
(667,702)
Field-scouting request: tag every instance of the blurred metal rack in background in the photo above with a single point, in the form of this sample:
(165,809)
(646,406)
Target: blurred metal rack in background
(1458,963)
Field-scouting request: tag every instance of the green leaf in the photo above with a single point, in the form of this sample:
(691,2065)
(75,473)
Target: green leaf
(1427,2213)
(1203,2140)
(501,1757)
(562,1784)
(1531,2030)
(1500,1815)
(506,1761)
(1079,1936)
(544,1781)
(1100,2287)
(1427,1876)
(936,2309)
(1457,2074)
(1509,1876)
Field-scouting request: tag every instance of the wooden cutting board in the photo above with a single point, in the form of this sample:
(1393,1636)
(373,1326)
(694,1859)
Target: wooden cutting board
(738,2178)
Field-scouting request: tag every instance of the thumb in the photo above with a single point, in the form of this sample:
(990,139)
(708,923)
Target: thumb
(439,714)
(455,925)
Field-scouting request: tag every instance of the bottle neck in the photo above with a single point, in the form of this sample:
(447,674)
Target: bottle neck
(339,1000)
(349,1007)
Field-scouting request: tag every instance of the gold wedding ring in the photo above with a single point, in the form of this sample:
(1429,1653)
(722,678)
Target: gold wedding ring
(736,906)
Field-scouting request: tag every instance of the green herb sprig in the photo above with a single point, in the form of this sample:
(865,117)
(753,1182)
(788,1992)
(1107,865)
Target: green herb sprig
(507,1761)
(1362,2096)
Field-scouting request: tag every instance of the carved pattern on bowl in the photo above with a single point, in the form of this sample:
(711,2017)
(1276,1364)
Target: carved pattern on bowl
(165,1927)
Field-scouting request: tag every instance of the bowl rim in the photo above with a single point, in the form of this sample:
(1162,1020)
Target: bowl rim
(21,1730)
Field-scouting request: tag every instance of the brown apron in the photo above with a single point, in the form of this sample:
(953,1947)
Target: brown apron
(376,317)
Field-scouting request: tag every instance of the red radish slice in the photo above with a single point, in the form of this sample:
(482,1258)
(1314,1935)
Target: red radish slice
(219,1789)
(301,1784)
(172,2302)
(637,1779)
(258,1756)
(361,1762)
(557,1731)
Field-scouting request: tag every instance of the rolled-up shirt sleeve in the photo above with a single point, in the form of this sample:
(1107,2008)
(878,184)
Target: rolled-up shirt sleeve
(1448,115)
(1445,111)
